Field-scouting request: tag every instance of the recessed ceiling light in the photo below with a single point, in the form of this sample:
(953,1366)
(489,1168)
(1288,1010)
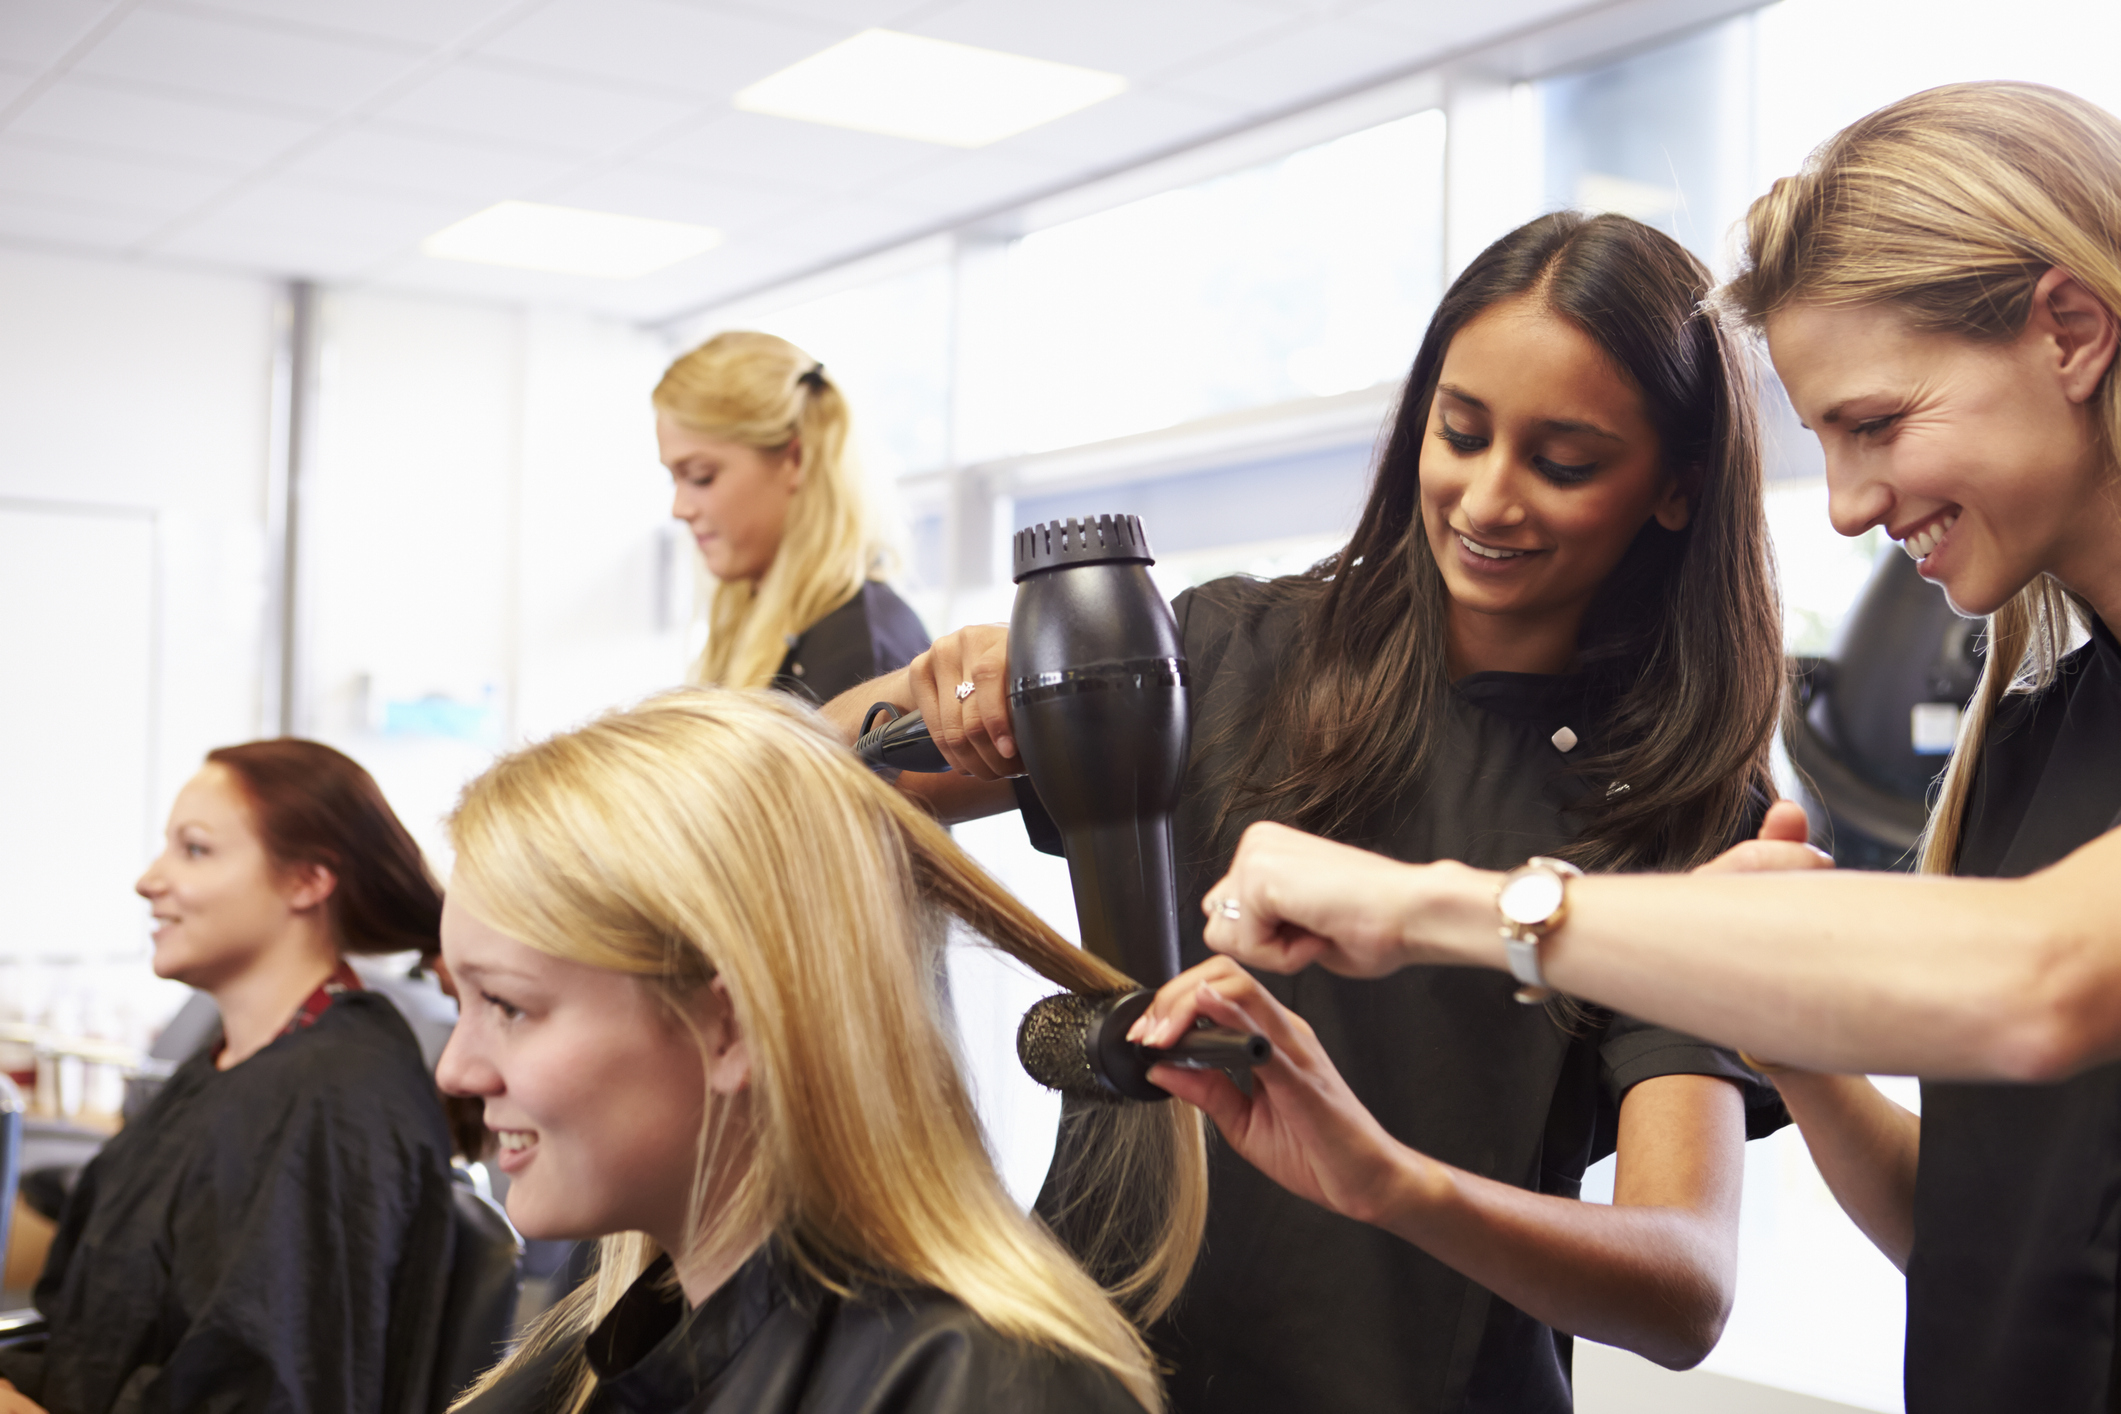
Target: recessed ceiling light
(931,90)
(569,241)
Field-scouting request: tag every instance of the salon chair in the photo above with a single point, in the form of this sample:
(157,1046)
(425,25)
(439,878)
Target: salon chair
(11,1108)
(1870,724)
(485,1275)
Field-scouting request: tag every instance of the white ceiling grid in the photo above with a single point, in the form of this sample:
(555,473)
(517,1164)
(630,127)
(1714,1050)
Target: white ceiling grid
(325,138)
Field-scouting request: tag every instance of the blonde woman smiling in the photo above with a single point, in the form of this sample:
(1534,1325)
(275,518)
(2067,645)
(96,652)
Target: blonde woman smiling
(697,946)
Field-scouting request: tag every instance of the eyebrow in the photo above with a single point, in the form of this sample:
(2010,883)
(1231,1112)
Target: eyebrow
(1833,414)
(1548,424)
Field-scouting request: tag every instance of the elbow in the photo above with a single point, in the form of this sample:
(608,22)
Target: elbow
(2048,1021)
(1690,1339)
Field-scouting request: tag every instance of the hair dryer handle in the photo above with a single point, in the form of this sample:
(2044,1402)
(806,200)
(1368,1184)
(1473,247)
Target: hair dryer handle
(901,744)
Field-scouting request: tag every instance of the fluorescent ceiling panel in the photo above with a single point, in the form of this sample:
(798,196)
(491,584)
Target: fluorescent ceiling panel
(569,241)
(930,90)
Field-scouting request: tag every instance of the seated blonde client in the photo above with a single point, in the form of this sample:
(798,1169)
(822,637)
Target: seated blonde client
(698,947)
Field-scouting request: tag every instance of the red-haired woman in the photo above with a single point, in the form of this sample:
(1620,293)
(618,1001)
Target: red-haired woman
(273,1233)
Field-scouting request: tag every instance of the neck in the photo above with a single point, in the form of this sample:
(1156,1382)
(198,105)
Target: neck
(1507,643)
(707,1269)
(255,1005)
(2094,568)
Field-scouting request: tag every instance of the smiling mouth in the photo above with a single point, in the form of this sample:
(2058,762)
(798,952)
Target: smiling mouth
(1488,552)
(515,1141)
(1923,542)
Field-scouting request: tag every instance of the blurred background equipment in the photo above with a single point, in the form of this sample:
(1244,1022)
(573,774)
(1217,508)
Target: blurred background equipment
(1872,723)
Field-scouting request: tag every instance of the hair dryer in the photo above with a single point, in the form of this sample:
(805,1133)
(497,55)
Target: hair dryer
(1097,703)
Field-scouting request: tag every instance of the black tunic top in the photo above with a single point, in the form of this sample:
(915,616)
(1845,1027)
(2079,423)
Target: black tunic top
(771,1340)
(874,633)
(274,1236)
(1292,1307)
(2011,1282)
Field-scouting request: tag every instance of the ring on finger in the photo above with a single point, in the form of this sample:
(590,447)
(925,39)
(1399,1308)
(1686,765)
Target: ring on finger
(964,690)
(1228,908)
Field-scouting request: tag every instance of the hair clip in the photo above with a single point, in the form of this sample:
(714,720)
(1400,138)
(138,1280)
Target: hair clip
(815,378)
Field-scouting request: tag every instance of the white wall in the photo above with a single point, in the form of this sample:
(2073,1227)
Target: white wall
(480,538)
(134,415)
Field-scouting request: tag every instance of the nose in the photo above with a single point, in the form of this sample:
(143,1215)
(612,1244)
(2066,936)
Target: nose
(150,885)
(1490,500)
(462,1070)
(1857,498)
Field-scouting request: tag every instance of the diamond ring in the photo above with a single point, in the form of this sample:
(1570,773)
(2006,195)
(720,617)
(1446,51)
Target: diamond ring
(964,690)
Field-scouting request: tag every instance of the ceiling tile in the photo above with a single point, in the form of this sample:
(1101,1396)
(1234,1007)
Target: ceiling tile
(292,229)
(35,168)
(846,16)
(686,48)
(37,32)
(230,60)
(789,153)
(1460,26)
(95,112)
(1133,125)
(52,225)
(13,79)
(1119,36)
(1313,62)
(726,203)
(967,184)
(424,22)
(480,100)
(377,158)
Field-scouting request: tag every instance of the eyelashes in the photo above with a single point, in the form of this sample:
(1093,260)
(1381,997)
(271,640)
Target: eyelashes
(1560,473)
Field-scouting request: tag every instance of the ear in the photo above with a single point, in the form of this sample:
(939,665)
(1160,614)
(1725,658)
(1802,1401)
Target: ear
(308,886)
(1673,509)
(794,453)
(728,1054)
(2080,330)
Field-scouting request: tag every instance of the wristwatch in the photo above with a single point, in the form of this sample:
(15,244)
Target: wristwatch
(1533,899)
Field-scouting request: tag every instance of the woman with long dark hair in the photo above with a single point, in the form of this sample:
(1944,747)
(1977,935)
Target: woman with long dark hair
(1940,289)
(1553,633)
(273,1233)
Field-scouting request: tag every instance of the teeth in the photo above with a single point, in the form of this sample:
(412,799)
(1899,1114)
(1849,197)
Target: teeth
(1919,545)
(516,1140)
(1487,554)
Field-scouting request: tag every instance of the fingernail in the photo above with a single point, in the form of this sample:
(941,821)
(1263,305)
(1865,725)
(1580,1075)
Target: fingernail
(1006,745)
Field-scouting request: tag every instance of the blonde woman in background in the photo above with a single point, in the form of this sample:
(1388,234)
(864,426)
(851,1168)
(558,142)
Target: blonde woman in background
(697,945)
(1941,292)
(756,438)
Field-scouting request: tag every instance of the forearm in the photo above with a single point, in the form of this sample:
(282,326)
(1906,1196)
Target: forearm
(1866,1148)
(1848,973)
(1654,1280)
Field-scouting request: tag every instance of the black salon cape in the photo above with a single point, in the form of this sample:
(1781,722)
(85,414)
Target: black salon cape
(1292,1307)
(874,633)
(273,1237)
(2011,1281)
(771,1340)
